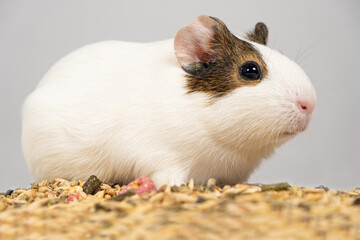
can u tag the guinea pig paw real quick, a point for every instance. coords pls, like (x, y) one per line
(140, 185)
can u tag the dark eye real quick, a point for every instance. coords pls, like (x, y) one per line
(250, 71)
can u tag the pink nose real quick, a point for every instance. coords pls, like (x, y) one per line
(306, 106)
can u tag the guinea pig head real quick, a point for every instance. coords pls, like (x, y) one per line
(258, 98)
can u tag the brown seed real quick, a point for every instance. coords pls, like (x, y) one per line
(162, 188)
(9, 192)
(323, 187)
(200, 200)
(101, 207)
(35, 185)
(357, 202)
(275, 187)
(121, 197)
(91, 185)
(175, 188)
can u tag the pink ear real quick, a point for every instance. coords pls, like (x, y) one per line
(192, 43)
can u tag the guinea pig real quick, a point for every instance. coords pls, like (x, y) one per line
(205, 104)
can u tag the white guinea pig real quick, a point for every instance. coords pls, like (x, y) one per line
(205, 104)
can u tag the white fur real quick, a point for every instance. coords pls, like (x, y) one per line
(121, 110)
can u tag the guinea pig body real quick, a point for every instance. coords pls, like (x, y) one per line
(122, 110)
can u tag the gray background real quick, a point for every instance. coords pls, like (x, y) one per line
(35, 34)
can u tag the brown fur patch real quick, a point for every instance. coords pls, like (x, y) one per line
(221, 76)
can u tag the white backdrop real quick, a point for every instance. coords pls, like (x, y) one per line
(35, 34)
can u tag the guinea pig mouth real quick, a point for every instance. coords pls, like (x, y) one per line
(300, 126)
(295, 131)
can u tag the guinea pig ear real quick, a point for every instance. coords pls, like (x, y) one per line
(192, 44)
(259, 34)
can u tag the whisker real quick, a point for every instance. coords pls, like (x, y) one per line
(275, 41)
(306, 50)
(304, 58)
(317, 84)
(297, 54)
(328, 95)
